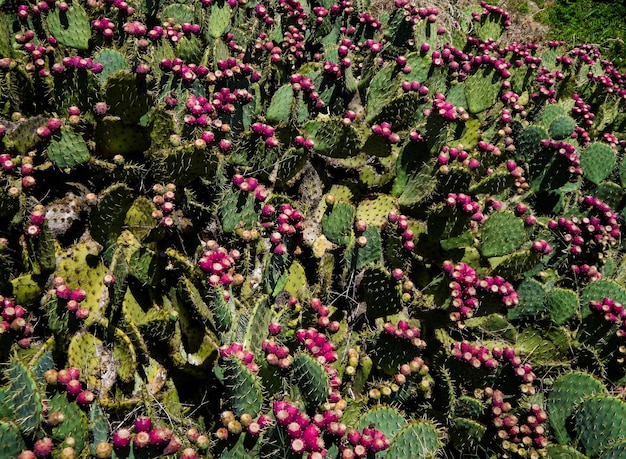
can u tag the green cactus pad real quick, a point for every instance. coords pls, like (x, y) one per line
(372, 252)
(532, 300)
(98, 424)
(11, 440)
(219, 20)
(608, 192)
(502, 234)
(191, 296)
(183, 164)
(112, 61)
(489, 28)
(616, 451)
(70, 266)
(467, 432)
(375, 211)
(42, 251)
(180, 13)
(599, 421)
(280, 105)
(493, 184)
(599, 289)
(190, 49)
(332, 138)
(139, 219)
(113, 137)
(107, 219)
(245, 393)
(221, 309)
(597, 161)
(528, 142)
(125, 356)
(127, 96)
(337, 225)
(238, 210)
(562, 305)
(562, 127)
(70, 27)
(550, 113)
(68, 149)
(419, 440)
(384, 86)
(419, 186)
(257, 329)
(400, 112)
(75, 424)
(154, 320)
(24, 399)
(564, 452)
(296, 280)
(468, 407)
(387, 419)
(481, 89)
(311, 378)
(567, 392)
(82, 353)
(379, 291)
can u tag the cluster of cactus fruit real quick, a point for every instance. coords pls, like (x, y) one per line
(294, 228)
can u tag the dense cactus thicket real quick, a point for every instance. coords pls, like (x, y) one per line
(284, 229)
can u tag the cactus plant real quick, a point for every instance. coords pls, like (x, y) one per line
(300, 229)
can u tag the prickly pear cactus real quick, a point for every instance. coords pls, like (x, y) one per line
(300, 229)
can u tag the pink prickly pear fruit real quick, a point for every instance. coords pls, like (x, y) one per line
(143, 424)
(86, 397)
(121, 438)
(188, 453)
(173, 446)
(74, 387)
(43, 447)
(141, 440)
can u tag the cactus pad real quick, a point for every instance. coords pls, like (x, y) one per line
(75, 423)
(418, 439)
(562, 305)
(386, 419)
(11, 440)
(378, 290)
(281, 105)
(597, 161)
(24, 398)
(70, 27)
(600, 420)
(245, 395)
(127, 96)
(337, 225)
(311, 378)
(502, 233)
(599, 289)
(481, 90)
(68, 150)
(567, 392)
(562, 127)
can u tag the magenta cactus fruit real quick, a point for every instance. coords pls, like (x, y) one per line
(142, 424)
(43, 447)
(122, 438)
